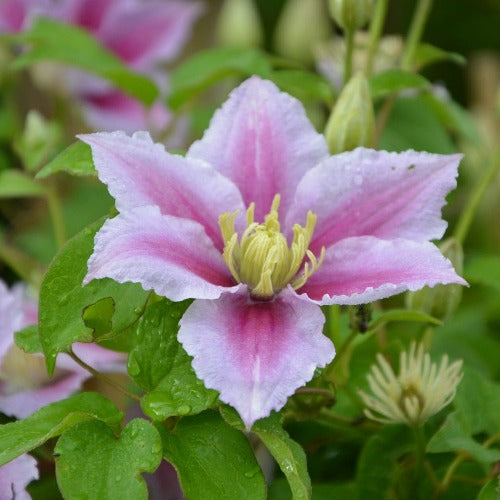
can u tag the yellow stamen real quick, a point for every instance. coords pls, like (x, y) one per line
(262, 258)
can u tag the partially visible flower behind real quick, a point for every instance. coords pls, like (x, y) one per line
(421, 388)
(24, 384)
(15, 476)
(345, 229)
(144, 34)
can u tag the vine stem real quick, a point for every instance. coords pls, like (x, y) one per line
(415, 33)
(465, 220)
(56, 216)
(349, 52)
(418, 432)
(376, 27)
(103, 377)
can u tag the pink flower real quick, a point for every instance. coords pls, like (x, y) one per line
(24, 384)
(15, 476)
(142, 33)
(356, 228)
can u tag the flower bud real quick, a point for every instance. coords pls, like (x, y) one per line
(351, 15)
(442, 300)
(352, 122)
(239, 24)
(302, 25)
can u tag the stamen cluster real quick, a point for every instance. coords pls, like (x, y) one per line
(262, 258)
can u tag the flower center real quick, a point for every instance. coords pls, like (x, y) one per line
(262, 258)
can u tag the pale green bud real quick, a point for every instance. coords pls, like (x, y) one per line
(351, 15)
(441, 301)
(239, 24)
(352, 122)
(39, 139)
(301, 26)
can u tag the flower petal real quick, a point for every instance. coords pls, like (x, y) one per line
(262, 140)
(23, 403)
(11, 314)
(172, 256)
(376, 193)
(139, 172)
(363, 269)
(255, 354)
(16, 475)
(144, 33)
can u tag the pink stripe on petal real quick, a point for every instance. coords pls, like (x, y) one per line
(15, 476)
(256, 354)
(262, 140)
(139, 172)
(172, 256)
(376, 193)
(364, 269)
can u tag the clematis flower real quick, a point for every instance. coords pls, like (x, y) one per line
(143, 34)
(24, 384)
(15, 476)
(346, 229)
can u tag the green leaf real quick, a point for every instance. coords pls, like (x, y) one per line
(16, 184)
(413, 124)
(51, 40)
(28, 339)
(378, 462)
(289, 455)
(75, 159)
(491, 490)
(63, 299)
(304, 85)
(22, 436)
(99, 316)
(395, 80)
(483, 270)
(427, 54)
(213, 460)
(91, 462)
(402, 315)
(159, 365)
(210, 66)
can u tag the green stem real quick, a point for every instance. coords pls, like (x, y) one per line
(376, 27)
(23, 265)
(468, 214)
(332, 322)
(415, 33)
(56, 216)
(103, 377)
(451, 470)
(349, 52)
(420, 444)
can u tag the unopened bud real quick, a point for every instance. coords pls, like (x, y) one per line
(239, 24)
(442, 300)
(352, 122)
(302, 25)
(351, 15)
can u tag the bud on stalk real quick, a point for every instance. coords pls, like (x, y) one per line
(352, 122)
(351, 15)
(239, 24)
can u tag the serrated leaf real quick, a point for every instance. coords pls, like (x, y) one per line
(210, 66)
(213, 460)
(427, 54)
(75, 160)
(159, 364)
(304, 85)
(63, 298)
(16, 184)
(289, 455)
(91, 462)
(483, 270)
(395, 80)
(55, 41)
(22, 436)
(28, 339)
(402, 315)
